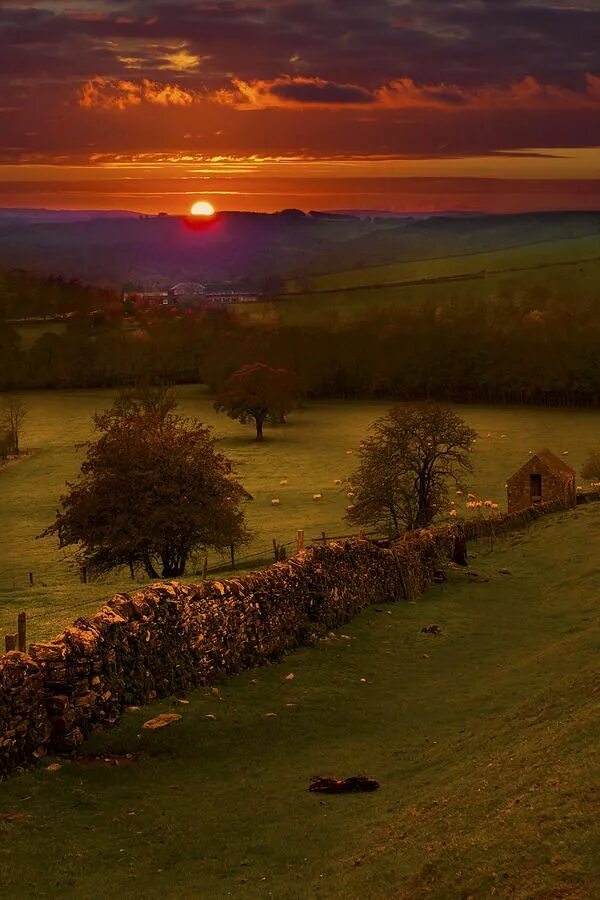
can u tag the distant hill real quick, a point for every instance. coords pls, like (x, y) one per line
(124, 249)
(22, 216)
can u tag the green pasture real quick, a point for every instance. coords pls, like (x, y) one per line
(556, 267)
(540, 255)
(310, 452)
(484, 741)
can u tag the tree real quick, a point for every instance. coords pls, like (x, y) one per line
(13, 412)
(152, 491)
(591, 467)
(407, 463)
(257, 393)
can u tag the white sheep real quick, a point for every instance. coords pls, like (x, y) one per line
(275, 501)
(349, 452)
(565, 452)
(351, 507)
(337, 482)
(284, 482)
(351, 495)
(495, 507)
(453, 513)
(459, 493)
(317, 496)
(471, 497)
(488, 504)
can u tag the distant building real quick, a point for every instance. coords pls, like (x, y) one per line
(543, 478)
(193, 295)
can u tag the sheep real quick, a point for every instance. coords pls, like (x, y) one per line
(337, 482)
(565, 452)
(579, 487)
(351, 507)
(488, 504)
(350, 495)
(284, 482)
(453, 513)
(495, 507)
(349, 452)
(471, 497)
(275, 501)
(471, 504)
(317, 496)
(479, 504)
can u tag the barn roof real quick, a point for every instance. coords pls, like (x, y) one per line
(551, 461)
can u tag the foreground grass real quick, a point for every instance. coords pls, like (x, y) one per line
(310, 452)
(485, 741)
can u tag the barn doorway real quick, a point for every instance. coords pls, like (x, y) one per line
(535, 489)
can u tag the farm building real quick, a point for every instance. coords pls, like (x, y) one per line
(543, 478)
(203, 296)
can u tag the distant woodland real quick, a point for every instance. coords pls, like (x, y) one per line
(539, 348)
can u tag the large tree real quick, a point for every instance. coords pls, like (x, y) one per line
(152, 491)
(257, 393)
(407, 464)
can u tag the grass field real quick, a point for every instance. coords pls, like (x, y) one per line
(554, 266)
(310, 452)
(485, 742)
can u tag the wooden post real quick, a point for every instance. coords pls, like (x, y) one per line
(83, 575)
(323, 538)
(232, 552)
(22, 632)
(31, 578)
(10, 642)
(300, 540)
(362, 536)
(276, 549)
(205, 568)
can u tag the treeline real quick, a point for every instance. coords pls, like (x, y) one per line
(544, 349)
(24, 295)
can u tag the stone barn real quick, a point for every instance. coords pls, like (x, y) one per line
(543, 478)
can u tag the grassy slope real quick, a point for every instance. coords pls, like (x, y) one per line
(484, 741)
(552, 254)
(555, 266)
(310, 452)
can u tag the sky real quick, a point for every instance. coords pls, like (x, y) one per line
(409, 105)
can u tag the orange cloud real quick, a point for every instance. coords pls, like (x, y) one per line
(112, 93)
(404, 93)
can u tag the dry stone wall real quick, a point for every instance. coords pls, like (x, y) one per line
(171, 637)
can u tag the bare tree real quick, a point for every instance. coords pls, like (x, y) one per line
(407, 464)
(13, 412)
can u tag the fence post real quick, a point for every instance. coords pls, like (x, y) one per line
(276, 549)
(22, 632)
(300, 540)
(31, 579)
(324, 538)
(83, 575)
(232, 552)
(10, 642)
(205, 568)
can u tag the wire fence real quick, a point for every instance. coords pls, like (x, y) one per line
(43, 623)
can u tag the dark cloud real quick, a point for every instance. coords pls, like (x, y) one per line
(467, 61)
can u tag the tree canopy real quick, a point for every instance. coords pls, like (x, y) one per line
(407, 463)
(152, 491)
(257, 393)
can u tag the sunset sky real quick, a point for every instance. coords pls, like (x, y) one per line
(332, 104)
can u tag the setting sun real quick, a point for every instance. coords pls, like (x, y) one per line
(203, 208)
